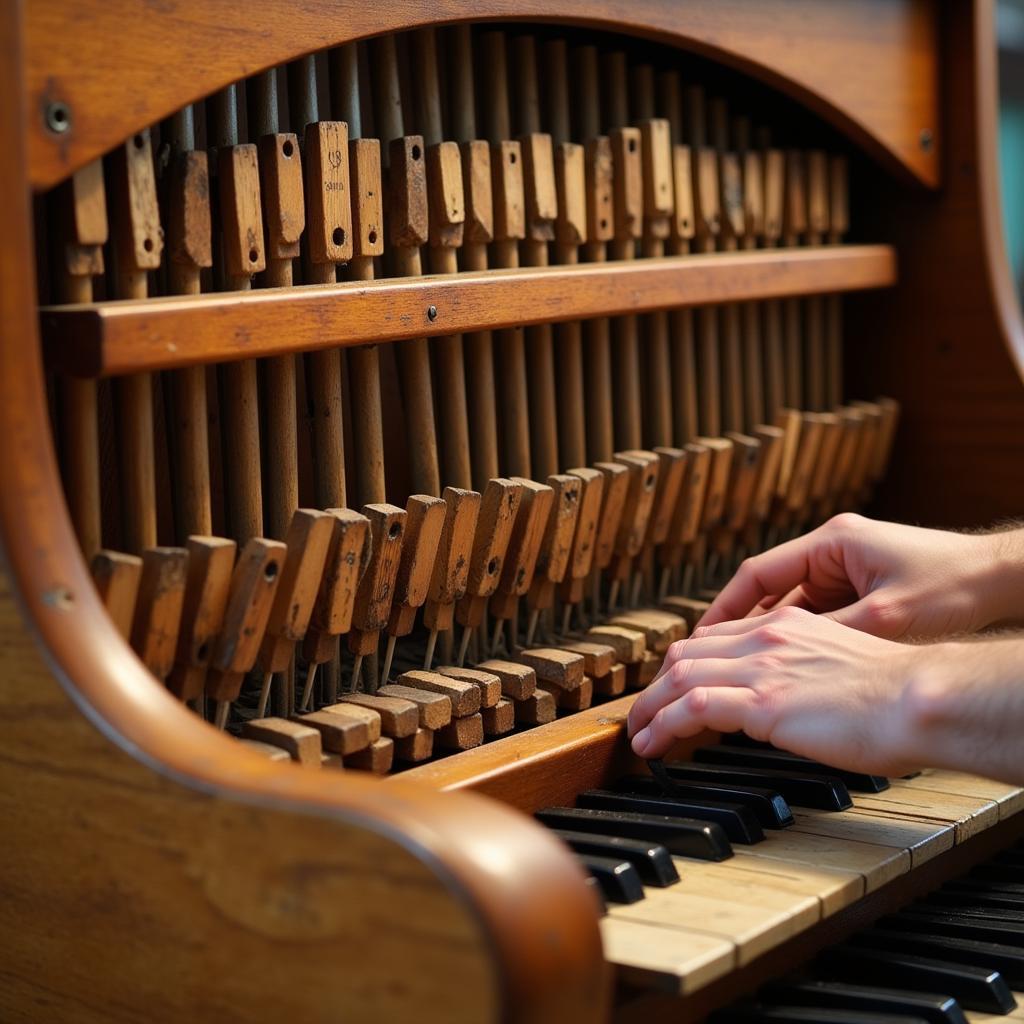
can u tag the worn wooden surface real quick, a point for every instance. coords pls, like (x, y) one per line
(108, 339)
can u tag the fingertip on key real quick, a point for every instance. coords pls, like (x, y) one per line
(641, 741)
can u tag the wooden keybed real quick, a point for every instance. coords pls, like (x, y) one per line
(661, 285)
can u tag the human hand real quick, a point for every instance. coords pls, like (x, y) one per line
(882, 578)
(800, 681)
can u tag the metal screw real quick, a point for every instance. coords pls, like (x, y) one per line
(925, 139)
(431, 313)
(58, 117)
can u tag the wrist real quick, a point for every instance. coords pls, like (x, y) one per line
(999, 582)
(927, 710)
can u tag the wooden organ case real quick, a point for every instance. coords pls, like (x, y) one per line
(380, 388)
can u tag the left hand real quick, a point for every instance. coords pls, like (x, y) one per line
(800, 681)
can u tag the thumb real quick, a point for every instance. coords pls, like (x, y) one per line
(869, 616)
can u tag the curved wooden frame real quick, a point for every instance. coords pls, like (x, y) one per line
(885, 97)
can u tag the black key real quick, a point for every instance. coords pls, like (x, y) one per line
(983, 885)
(739, 824)
(823, 792)
(995, 872)
(770, 807)
(1007, 960)
(954, 896)
(1012, 856)
(619, 880)
(975, 988)
(980, 913)
(653, 862)
(935, 1009)
(753, 1014)
(752, 757)
(957, 926)
(682, 836)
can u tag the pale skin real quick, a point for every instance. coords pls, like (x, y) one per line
(855, 645)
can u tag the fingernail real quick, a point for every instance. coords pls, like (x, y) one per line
(640, 742)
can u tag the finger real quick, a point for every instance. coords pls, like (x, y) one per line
(730, 640)
(776, 571)
(684, 676)
(722, 708)
(865, 615)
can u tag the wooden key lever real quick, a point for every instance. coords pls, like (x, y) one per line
(555, 549)
(424, 520)
(116, 576)
(451, 569)
(499, 506)
(347, 558)
(157, 616)
(308, 542)
(253, 586)
(584, 542)
(377, 587)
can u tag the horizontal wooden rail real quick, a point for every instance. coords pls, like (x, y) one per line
(111, 338)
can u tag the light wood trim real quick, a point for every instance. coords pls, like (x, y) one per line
(113, 338)
(96, 754)
(886, 95)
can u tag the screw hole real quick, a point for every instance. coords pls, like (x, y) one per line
(270, 571)
(287, 149)
(372, 237)
(925, 139)
(520, 577)
(632, 145)
(139, 141)
(339, 236)
(58, 118)
(604, 223)
(395, 532)
(253, 256)
(148, 245)
(686, 223)
(431, 313)
(203, 651)
(511, 158)
(416, 152)
(492, 566)
(649, 481)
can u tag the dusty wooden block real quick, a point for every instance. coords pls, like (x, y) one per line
(517, 681)
(613, 683)
(488, 683)
(435, 708)
(563, 669)
(499, 719)
(598, 658)
(577, 699)
(301, 742)
(358, 713)
(461, 733)
(465, 697)
(642, 672)
(267, 750)
(377, 757)
(689, 608)
(628, 643)
(537, 709)
(338, 733)
(398, 717)
(161, 595)
(331, 760)
(417, 747)
(660, 629)
(117, 579)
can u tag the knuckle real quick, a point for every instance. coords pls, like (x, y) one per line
(844, 522)
(770, 635)
(790, 615)
(678, 676)
(699, 633)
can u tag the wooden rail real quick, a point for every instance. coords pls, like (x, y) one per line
(112, 338)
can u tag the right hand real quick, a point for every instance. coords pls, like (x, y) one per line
(889, 580)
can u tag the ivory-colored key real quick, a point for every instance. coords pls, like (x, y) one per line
(211, 561)
(157, 618)
(1008, 798)
(969, 815)
(117, 577)
(833, 888)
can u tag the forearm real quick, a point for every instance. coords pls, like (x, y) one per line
(1000, 582)
(963, 708)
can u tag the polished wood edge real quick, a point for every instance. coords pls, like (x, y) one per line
(89, 54)
(522, 886)
(548, 765)
(112, 338)
(647, 1007)
(1005, 299)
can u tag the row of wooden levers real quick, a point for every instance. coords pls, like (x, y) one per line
(687, 437)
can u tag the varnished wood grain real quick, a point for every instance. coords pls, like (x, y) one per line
(116, 338)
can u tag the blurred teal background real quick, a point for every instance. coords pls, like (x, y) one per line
(1010, 32)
